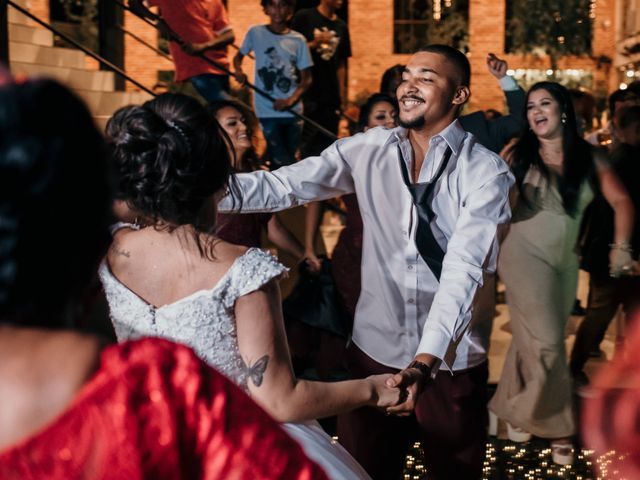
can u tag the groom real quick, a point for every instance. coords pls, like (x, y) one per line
(426, 304)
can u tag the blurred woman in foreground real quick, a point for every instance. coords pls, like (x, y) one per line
(70, 406)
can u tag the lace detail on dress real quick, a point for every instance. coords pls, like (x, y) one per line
(204, 320)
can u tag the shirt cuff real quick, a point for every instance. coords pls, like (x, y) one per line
(508, 83)
(224, 29)
(436, 344)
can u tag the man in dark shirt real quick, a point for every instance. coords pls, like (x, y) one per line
(328, 39)
(607, 293)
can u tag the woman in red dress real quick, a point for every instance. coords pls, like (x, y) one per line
(71, 407)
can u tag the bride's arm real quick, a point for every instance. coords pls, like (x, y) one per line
(263, 347)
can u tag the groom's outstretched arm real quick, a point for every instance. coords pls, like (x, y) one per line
(314, 178)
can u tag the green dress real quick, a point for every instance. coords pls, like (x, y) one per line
(539, 265)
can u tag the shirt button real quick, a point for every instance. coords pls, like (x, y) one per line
(411, 300)
(410, 267)
(404, 232)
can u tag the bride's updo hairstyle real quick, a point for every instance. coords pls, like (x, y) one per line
(55, 199)
(171, 158)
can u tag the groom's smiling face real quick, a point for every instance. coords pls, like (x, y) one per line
(428, 92)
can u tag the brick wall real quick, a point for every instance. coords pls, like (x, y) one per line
(40, 8)
(371, 27)
(141, 62)
(486, 35)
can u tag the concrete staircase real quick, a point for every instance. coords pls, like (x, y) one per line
(31, 52)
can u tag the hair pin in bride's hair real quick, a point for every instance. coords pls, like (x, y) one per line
(175, 126)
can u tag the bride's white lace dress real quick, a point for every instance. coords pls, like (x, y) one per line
(205, 321)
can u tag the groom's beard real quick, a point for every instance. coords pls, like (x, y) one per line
(417, 122)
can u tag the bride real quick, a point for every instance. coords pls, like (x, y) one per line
(168, 275)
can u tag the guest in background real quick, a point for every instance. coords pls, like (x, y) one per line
(495, 133)
(557, 173)
(70, 406)
(238, 121)
(607, 293)
(203, 27)
(328, 39)
(605, 136)
(283, 69)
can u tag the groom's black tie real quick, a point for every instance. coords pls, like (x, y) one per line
(429, 249)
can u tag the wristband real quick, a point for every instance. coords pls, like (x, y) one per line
(624, 246)
(424, 369)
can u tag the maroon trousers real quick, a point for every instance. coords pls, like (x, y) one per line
(450, 420)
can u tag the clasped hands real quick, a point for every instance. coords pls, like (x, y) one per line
(398, 394)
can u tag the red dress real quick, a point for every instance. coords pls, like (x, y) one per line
(347, 256)
(242, 229)
(154, 410)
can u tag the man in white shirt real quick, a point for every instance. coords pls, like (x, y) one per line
(416, 315)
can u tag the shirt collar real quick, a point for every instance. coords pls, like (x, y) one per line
(453, 134)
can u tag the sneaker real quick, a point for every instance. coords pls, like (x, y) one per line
(562, 453)
(516, 434)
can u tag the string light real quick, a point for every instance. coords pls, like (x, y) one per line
(528, 461)
(437, 10)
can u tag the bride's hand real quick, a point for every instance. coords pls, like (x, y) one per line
(383, 396)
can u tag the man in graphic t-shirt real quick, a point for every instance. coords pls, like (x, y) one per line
(282, 69)
(328, 39)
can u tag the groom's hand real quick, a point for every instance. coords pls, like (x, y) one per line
(411, 381)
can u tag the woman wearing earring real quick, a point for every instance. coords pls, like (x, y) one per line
(556, 175)
(239, 122)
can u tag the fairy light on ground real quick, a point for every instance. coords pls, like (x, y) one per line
(528, 461)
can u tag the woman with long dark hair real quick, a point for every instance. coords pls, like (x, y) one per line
(70, 406)
(171, 276)
(239, 123)
(556, 174)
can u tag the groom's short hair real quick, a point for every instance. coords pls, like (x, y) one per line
(456, 57)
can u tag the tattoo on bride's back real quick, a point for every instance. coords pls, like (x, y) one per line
(256, 370)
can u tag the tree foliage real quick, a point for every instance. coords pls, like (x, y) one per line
(416, 27)
(553, 27)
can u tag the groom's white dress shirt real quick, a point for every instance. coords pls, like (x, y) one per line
(402, 309)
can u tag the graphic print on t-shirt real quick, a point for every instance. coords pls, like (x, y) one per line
(278, 74)
(326, 50)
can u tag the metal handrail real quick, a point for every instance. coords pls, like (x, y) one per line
(175, 38)
(143, 42)
(149, 22)
(79, 46)
(4, 35)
